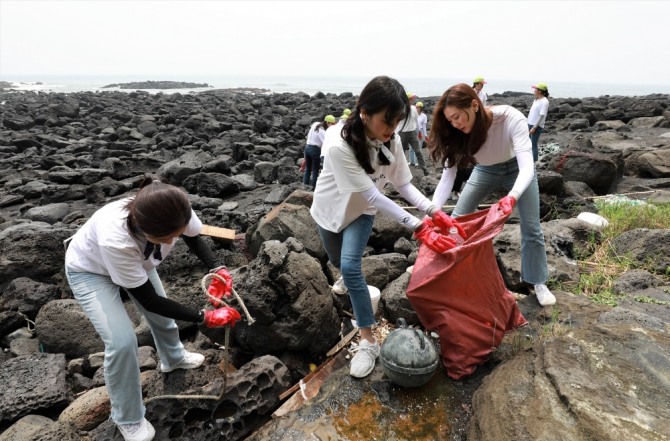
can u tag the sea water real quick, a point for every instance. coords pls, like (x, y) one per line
(423, 87)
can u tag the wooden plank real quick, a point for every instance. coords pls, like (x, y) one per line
(310, 388)
(218, 232)
(345, 341)
(335, 349)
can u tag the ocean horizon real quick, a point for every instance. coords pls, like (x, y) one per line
(423, 87)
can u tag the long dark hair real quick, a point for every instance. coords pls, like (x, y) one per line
(158, 209)
(322, 125)
(381, 94)
(449, 143)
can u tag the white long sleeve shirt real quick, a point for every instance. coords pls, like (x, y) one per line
(507, 138)
(422, 121)
(315, 137)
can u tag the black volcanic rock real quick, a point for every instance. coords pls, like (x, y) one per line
(157, 85)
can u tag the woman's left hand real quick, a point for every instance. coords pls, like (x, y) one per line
(507, 204)
(221, 317)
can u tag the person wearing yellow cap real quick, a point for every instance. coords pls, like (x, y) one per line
(317, 133)
(478, 84)
(407, 129)
(343, 117)
(537, 116)
(421, 122)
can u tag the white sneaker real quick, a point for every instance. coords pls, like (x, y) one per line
(339, 288)
(191, 361)
(364, 361)
(142, 431)
(544, 296)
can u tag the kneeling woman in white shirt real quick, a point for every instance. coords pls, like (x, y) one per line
(358, 163)
(119, 247)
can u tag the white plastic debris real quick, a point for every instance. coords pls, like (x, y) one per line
(593, 219)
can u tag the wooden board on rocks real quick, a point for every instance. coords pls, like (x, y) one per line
(218, 233)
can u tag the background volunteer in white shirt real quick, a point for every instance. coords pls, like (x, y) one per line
(313, 149)
(422, 134)
(357, 165)
(119, 247)
(407, 129)
(478, 84)
(494, 140)
(537, 116)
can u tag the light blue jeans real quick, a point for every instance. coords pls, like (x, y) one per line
(485, 179)
(101, 301)
(345, 252)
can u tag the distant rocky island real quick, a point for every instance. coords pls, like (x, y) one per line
(6, 85)
(157, 85)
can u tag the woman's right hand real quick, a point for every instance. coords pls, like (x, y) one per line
(445, 222)
(432, 239)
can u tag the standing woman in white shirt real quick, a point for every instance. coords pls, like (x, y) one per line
(317, 133)
(119, 247)
(421, 122)
(537, 115)
(360, 161)
(495, 140)
(478, 84)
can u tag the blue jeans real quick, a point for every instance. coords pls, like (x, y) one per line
(100, 299)
(345, 251)
(533, 140)
(313, 162)
(485, 179)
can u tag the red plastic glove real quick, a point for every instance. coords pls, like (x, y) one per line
(432, 239)
(221, 317)
(507, 204)
(218, 288)
(420, 136)
(445, 222)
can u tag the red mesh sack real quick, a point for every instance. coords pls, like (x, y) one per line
(461, 295)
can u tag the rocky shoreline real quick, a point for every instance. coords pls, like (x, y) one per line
(63, 156)
(157, 85)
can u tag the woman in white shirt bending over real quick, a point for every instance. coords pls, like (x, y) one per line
(537, 115)
(495, 140)
(359, 162)
(313, 148)
(119, 248)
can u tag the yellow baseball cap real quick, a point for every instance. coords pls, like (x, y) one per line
(479, 79)
(329, 118)
(419, 104)
(541, 86)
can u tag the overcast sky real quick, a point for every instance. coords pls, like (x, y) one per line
(618, 42)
